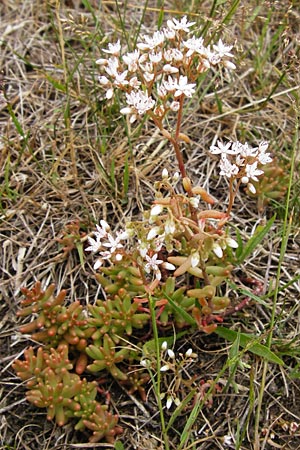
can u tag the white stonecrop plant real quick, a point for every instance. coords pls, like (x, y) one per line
(155, 79)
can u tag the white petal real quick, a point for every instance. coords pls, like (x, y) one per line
(251, 188)
(156, 209)
(168, 266)
(218, 251)
(231, 243)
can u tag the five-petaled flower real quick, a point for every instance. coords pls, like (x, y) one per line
(184, 88)
(182, 25)
(139, 102)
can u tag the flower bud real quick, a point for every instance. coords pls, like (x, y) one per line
(171, 354)
(164, 345)
(187, 185)
(165, 174)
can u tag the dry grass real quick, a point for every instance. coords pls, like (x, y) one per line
(62, 159)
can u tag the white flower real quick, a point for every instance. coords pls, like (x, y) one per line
(145, 363)
(152, 42)
(182, 25)
(227, 440)
(222, 49)
(95, 245)
(103, 80)
(98, 263)
(134, 83)
(112, 67)
(109, 94)
(155, 57)
(148, 76)
(168, 55)
(182, 87)
(193, 45)
(176, 176)
(220, 148)
(246, 151)
(263, 146)
(138, 102)
(120, 79)
(113, 49)
(161, 91)
(170, 84)
(101, 61)
(229, 65)
(131, 60)
(167, 68)
(228, 169)
(189, 352)
(122, 235)
(252, 172)
(264, 158)
(175, 106)
(152, 263)
(143, 248)
(177, 54)
(104, 228)
(169, 33)
(113, 243)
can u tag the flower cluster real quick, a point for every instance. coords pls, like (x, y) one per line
(174, 368)
(239, 161)
(161, 70)
(106, 244)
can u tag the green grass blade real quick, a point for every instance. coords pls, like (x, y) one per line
(187, 317)
(249, 343)
(255, 240)
(119, 446)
